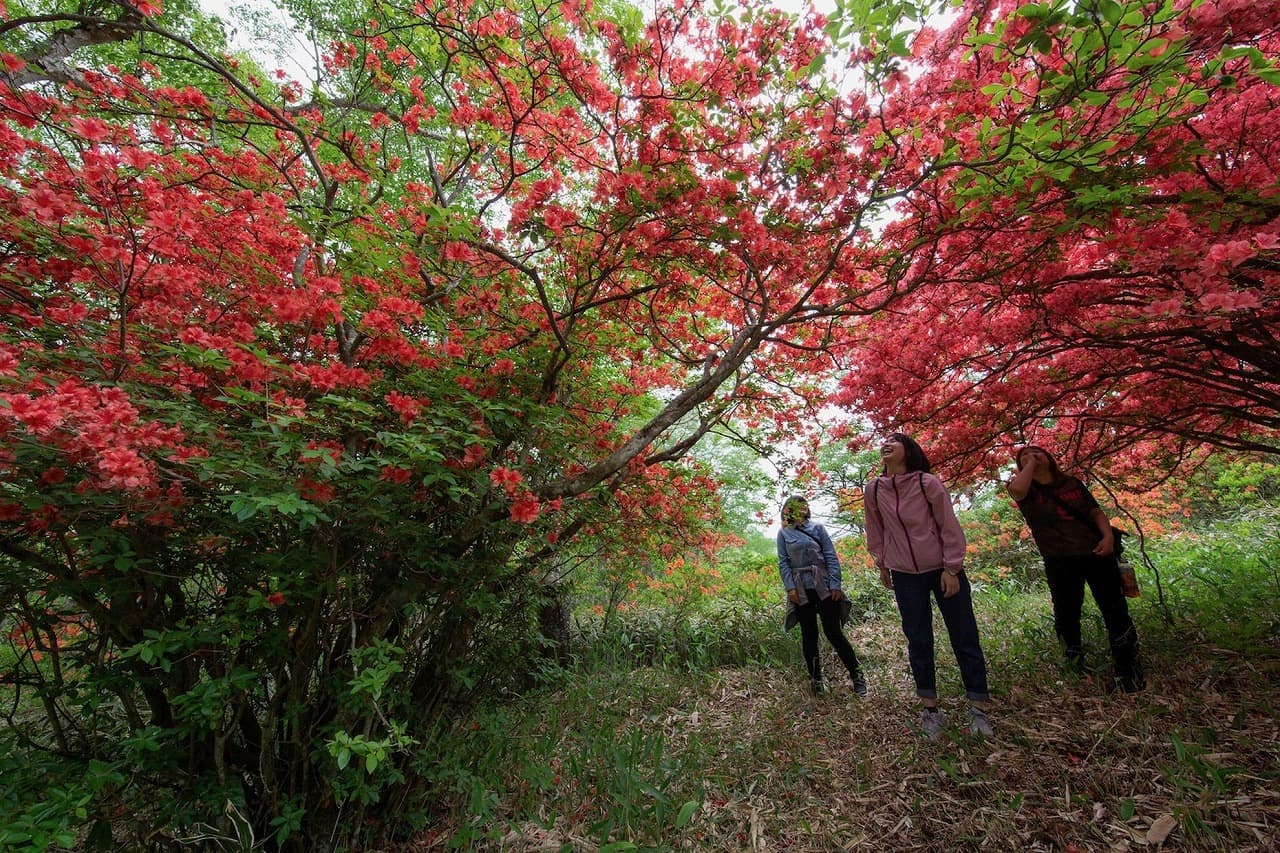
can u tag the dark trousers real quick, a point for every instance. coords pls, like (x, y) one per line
(828, 611)
(913, 593)
(1067, 577)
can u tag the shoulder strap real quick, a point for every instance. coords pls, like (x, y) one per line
(810, 535)
(927, 503)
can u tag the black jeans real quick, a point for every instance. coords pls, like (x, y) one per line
(1067, 577)
(829, 611)
(913, 593)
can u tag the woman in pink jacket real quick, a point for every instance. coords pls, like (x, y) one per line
(917, 543)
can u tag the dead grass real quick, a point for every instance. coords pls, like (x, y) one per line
(1190, 764)
(1058, 774)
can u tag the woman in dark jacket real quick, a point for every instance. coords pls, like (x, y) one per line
(1077, 543)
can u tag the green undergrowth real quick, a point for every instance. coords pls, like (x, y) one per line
(592, 753)
(698, 733)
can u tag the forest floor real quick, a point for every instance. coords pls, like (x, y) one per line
(1191, 763)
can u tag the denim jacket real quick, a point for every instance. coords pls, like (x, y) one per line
(807, 560)
(805, 548)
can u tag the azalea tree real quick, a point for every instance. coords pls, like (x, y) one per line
(309, 393)
(1103, 272)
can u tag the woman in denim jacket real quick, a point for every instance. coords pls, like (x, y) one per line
(810, 574)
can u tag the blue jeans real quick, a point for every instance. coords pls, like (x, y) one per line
(913, 594)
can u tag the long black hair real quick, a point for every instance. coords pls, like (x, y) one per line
(913, 455)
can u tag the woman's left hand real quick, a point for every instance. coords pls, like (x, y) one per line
(837, 594)
(1106, 546)
(950, 584)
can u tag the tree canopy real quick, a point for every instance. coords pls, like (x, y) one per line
(1103, 211)
(311, 389)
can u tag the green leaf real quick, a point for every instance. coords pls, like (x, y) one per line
(686, 814)
(1111, 11)
(99, 837)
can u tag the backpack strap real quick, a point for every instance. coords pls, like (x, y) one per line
(815, 539)
(928, 505)
(875, 490)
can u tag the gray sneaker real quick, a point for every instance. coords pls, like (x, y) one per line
(932, 721)
(978, 722)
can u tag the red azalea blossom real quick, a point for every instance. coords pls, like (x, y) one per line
(505, 479)
(124, 468)
(315, 490)
(394, 474)
(525, 510)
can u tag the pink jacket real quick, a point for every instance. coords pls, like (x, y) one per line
(911, 526)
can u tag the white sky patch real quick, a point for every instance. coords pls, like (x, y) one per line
(268, 34)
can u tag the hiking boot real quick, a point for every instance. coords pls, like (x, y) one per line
(1130, 683)
(816, 687)
(859, 683)
(932, 721)
(1129, 675)
(1128, 662)
(978, 723)
(1074, 663)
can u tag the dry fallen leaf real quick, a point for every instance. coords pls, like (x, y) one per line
(1160, 830)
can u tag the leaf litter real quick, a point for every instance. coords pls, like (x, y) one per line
(1190, 764)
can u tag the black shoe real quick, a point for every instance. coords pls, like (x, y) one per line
(816, 686)
(1129, 684)
(1133, 684)
(859, 683)
(1130, 677)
